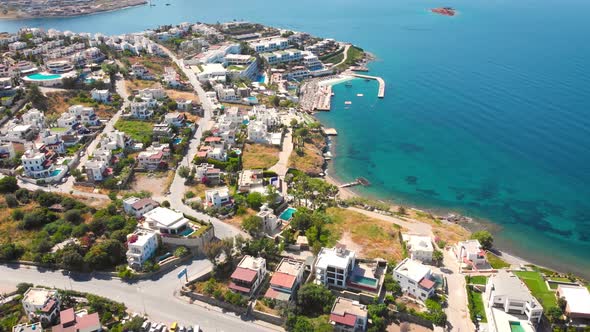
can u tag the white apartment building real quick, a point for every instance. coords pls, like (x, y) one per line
(258, 132)
(419, 247)
(470, 252)
(269, 44)
(333, 266)
(139, 206)
(141, 246)
(141, 110)
(35, 118)
(251, 180)
(414, 279)
(290, 55)
(100, 95)
(41, 304)
(174, 119)
(59, 67)
(207, 173)
(166, 221)
(218, 197)
(226, 94)
(52, 142)
(154, 157)
(85, 114)
(95, 170)
(36, 165)
(508, 300)
(348, 315)
(270, 222)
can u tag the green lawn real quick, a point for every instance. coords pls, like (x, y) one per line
(477, 280)
(476, 304)
(138, 130)
(536, 284)
(496, 262)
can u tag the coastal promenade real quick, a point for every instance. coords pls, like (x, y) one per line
(381, 93)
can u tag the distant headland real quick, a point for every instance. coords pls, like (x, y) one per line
(20, 9)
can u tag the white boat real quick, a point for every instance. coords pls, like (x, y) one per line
(359, 95)
(348, 103)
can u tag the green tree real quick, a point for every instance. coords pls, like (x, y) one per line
(74, 216)
(252, 225)
(181, 251)
(255, 200)
(72, 260)
(36, 97)
(437, 257)
(133, 325)
(303, 324)
(10, 251)
(554, 315)
(485, 239)
(314, 300)
(8, 184)
(184, 172)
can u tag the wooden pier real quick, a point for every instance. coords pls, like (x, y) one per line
(381, 81)
(357, 182)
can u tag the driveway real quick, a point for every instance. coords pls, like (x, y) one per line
(457, 312)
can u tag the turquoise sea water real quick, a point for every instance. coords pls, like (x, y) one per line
(485, 113)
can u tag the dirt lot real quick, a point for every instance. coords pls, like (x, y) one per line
(175, 94)
(406, 327)
(259, 156)
(59, 102)
(133, 85)
(371, 237)
(154, 64)
(155, 183)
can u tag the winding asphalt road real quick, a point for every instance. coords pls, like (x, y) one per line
(157, 297)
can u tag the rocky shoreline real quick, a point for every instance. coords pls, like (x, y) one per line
(69, 11)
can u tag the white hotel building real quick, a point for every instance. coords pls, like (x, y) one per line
(333, 266)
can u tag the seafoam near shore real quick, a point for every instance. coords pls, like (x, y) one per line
(336, 80)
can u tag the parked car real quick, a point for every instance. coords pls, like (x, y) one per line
(145, 326)
(181, 328)
(197, 328)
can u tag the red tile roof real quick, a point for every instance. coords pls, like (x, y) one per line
(48, 306)
(143, 203)
(282, 280)
(347, 319)
(88, 321)
(213, 139)
(239, 288)
(67, 316)
(244, 274)
(426, 283)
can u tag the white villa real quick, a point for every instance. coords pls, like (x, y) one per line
(41, 304)
(218, 197)
(508, 302)
(419, 247)
(414, 279)
(166, 221)
(141, 246)
(248, 275)
(470, 252)
(285, 280)
(348, 315)
(270, 222)
(139, 206)
(333, 266)
(100, 95)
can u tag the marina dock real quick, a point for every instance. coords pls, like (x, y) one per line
(381, 81)
(358, 182)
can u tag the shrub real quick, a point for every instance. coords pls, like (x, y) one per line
(181, 251)
(11, 200)
(8, 184)
(17, 214)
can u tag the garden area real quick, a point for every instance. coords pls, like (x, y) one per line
(476, 308)
(140, 131)
(536, 284)
(496, 262)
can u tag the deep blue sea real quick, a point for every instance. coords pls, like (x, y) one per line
(486, 113)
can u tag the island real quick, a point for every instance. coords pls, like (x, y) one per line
(20, 9)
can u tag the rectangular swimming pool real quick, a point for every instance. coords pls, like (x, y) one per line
(364, 281)
(516, 327)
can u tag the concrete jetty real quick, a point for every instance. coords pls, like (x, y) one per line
(381, 81)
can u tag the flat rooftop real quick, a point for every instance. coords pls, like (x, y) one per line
(251, 263)
(577, 297)
(166, 217)
(334, 257)
(412, 269)
(289, 266)
(38, 296)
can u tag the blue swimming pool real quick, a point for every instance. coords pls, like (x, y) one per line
(261, 79)
(43, 77)
(246, 122)
(177, 140)
(252, 100)
(364, 281)
(55, 172)
(287, 214)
